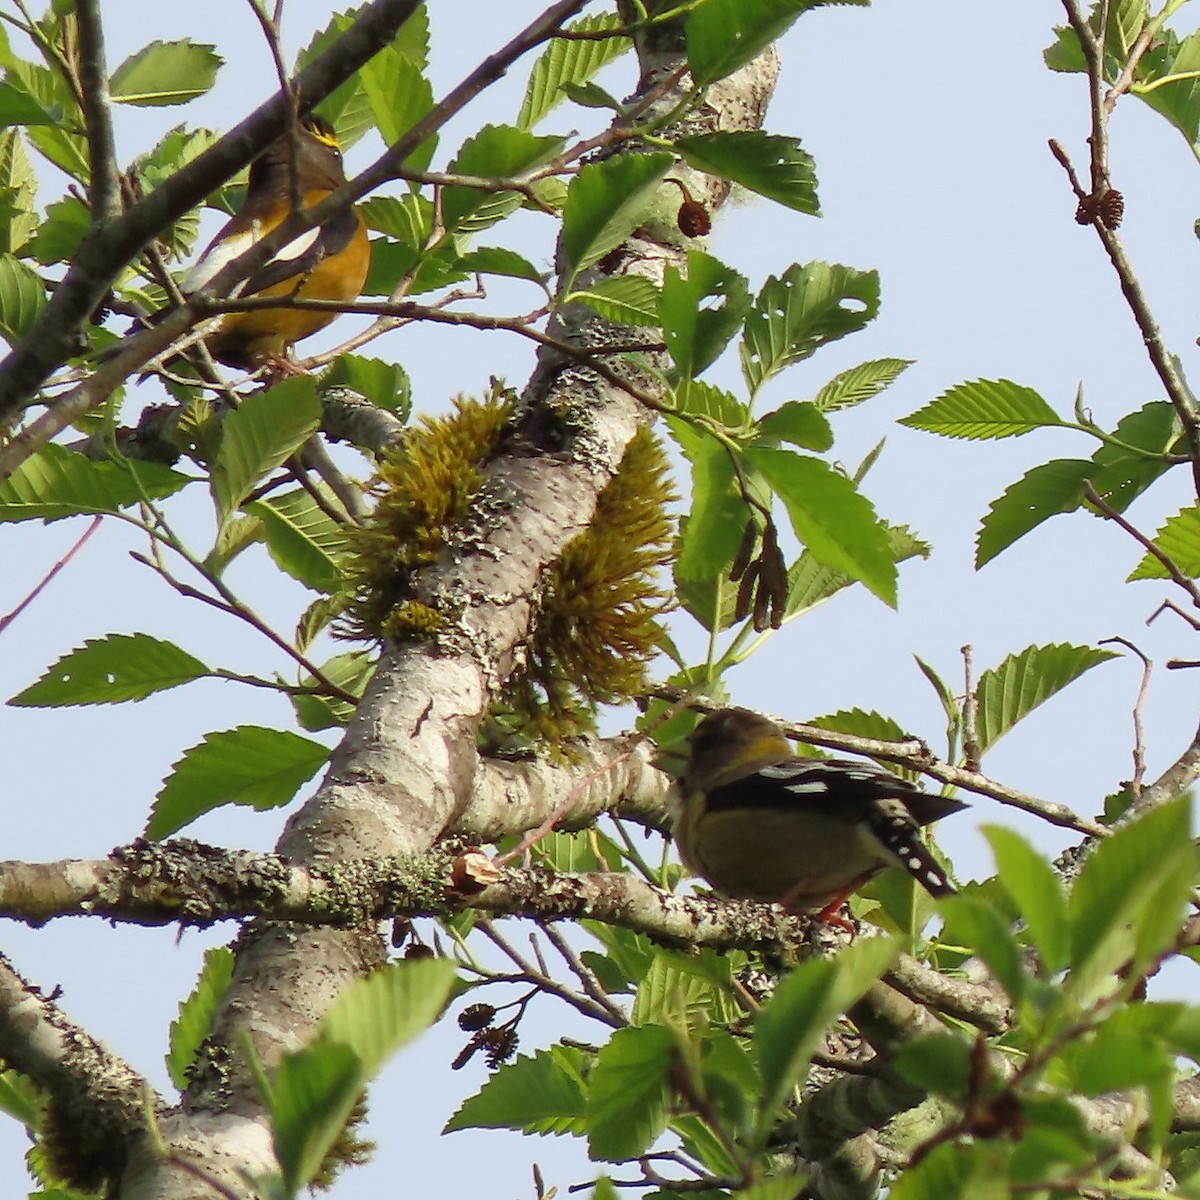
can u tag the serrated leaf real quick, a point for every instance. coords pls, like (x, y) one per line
(166, 73)
(773, 166)
(195, 1020)
(1179, 540)
(701, 311)
(22, 298)
(723, 35)
(790, 1026)
(59, 234)
(1037, 892)
(1132, 886)
(18, 191)
(806, 308)
(1054, 487)
(385, 384)
(628, 1092)
(543, 1094)
(399, 95)
(860, 383)
(496, 151)
(605, 202)
(111, 670)
(303, 539)
(1171, 86)
(622, 299)
(311, 1097)
(500, 260)
(569, 61)
(831, 517)
(977, 926)
(378, 1014)
(250, 765)
(1011, 691)
(1143, 441)
(347, 108)
(810, 581)
(258, 436)
(984, 408)
(57, 483)
(351, 672)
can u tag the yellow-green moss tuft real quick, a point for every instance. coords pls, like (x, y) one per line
(600, 619)
(411, 621)
(425, 487)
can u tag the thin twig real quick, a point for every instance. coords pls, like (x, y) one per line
(1166, 561)
(1139, 742)
(105, 186)
(8, 619)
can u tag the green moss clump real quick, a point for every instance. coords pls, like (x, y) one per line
(425, 487)
(599, 625)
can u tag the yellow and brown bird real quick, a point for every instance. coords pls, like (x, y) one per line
(329, 262)
(760, 823)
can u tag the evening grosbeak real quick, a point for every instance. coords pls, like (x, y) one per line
(329, 262)
(758, 822)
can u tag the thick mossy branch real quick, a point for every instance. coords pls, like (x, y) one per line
(600, 605)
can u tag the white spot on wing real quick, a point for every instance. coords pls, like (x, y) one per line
(220, 254)
(298, 246)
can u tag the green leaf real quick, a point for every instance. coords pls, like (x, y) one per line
(57, 483)
(347, 108)
(831, 517)
(385, 384)
(111, 670)
(312, 1095)
(1054, 487)
(791, 1026)
(266, 430)
(623, 299)
(399, 96)
(710, 535)
(195, 1020)
(953, 1171)
(860, 383)
(20, 1098)
(166, 73)
(981, 928)
(1119, 475)
(20, 107)
(351, 672)
(22, 298)
(1037, 893)
(701, 311)
(810, 581)
(378, 1014)
(1124, 1052)
(800, 422)
(628, 1093)
(605, 203)
(808, 307)
(723, 35)
(500, 260)
(1179, 540)
(1023, 681)
(772, 166)
(58, 236)
(18, 192)
(1177, 92)
(1119, 888)
(939, 1063)
(496, 151)
(569, 61)
(543, 1094)
(303, 539)
(984, 408)
(250, 765)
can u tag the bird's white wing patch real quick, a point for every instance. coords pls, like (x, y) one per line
(220, 254)
(298, 246)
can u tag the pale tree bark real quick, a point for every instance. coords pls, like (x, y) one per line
(405, 769)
